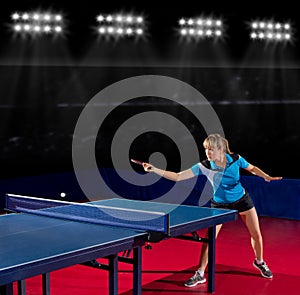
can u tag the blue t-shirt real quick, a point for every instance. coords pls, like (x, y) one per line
(225, 181)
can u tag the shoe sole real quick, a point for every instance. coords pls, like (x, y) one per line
(262, 273)
(194, 285)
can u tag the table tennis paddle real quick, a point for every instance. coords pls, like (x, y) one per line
(136, 162)
(139, 163)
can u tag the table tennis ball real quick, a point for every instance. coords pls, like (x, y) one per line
(62, 195)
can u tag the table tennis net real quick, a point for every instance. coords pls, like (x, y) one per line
(86, 212)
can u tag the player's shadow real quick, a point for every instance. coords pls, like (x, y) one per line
(174, 282)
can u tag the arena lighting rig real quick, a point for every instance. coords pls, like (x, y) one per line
(200, 28)
(120, 25)
(270, 31)
(37, 23)
(126, 25)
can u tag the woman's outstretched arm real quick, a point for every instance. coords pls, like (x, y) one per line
(256, 171)
(186, 174)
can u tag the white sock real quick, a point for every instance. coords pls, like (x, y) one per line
(200, 272)
(259, 261)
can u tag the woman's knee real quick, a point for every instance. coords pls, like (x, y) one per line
(256, 236)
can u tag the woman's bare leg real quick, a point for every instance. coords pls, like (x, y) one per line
(250, 219)
(204, 251)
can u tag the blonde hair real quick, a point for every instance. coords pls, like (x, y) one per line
(217, 141)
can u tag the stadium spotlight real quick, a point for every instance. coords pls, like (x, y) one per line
(200, 28)
(270, 31)
(37, 23)
(120, 25)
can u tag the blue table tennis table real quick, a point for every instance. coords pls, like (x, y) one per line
(32, 245)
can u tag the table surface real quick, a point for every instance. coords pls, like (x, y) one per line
(33, 244)
(183, 218)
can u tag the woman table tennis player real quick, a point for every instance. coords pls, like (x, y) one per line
(228, 193)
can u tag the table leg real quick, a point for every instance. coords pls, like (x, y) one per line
(6, 289)
(22, 287)
(137, 271)
(211, 258)
(46, 283)
(113, 274)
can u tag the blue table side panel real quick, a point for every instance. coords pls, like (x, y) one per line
(275, 199)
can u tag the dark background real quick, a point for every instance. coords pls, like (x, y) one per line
(45, 83)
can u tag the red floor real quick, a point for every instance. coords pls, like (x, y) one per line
(171, 262)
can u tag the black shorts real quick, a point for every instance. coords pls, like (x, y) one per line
(243, 204)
